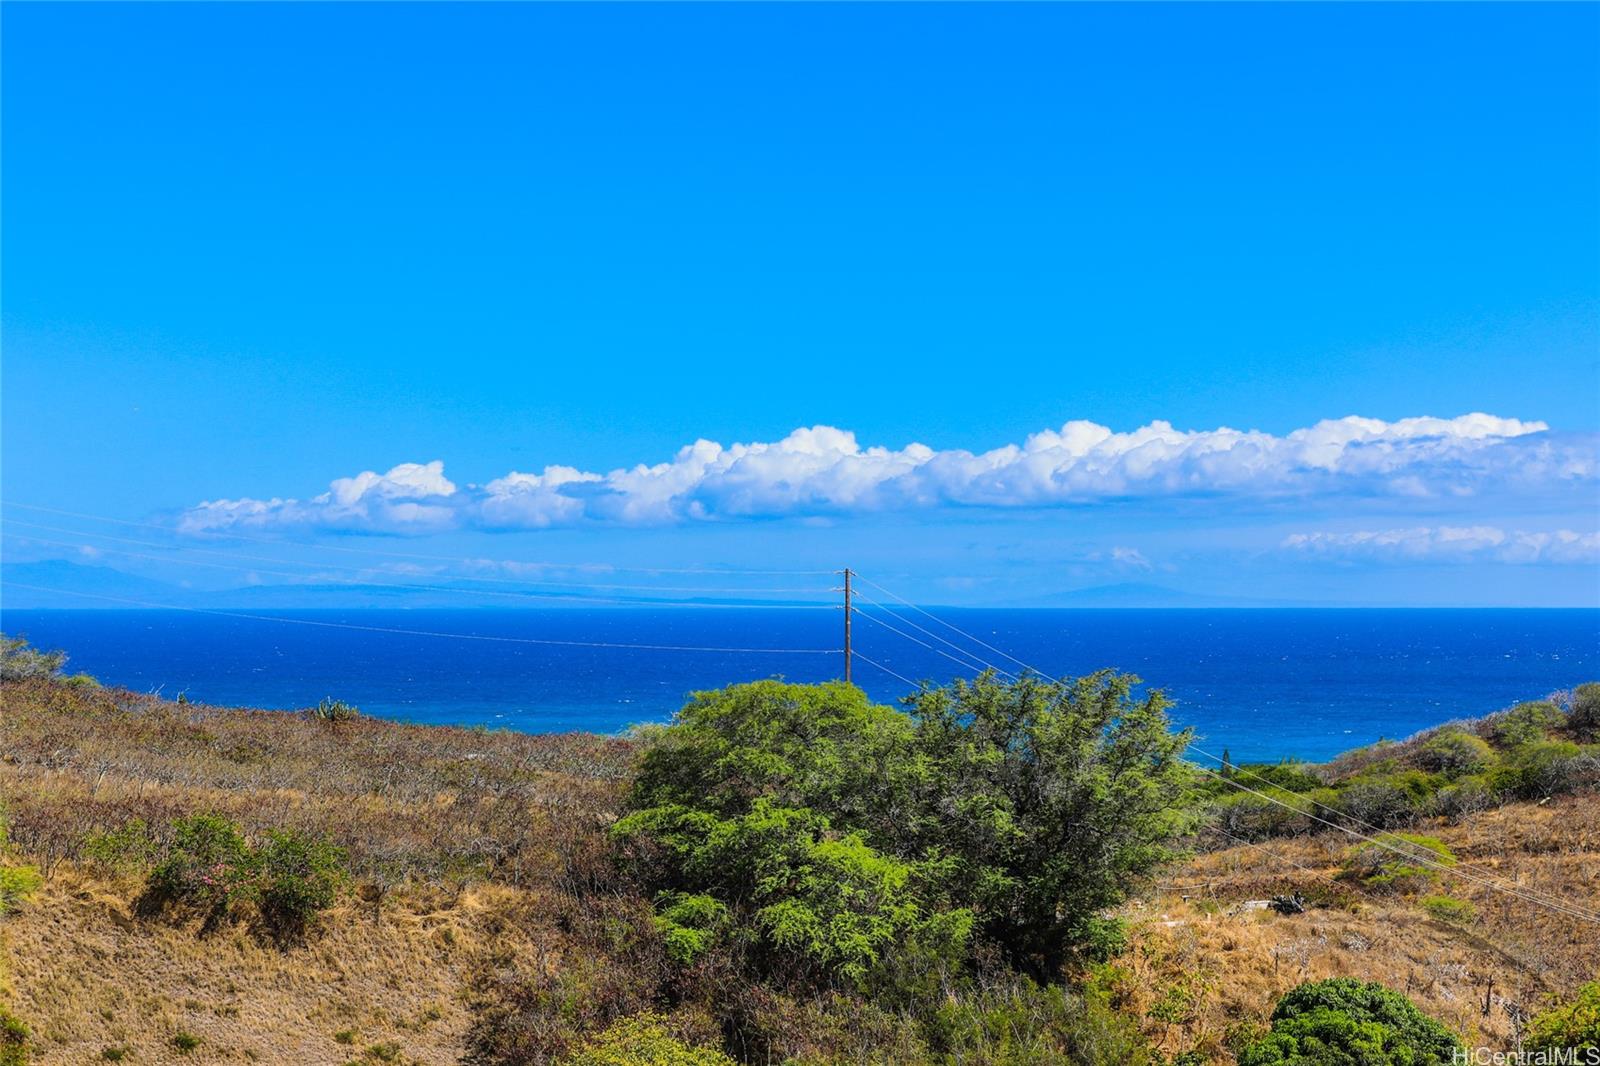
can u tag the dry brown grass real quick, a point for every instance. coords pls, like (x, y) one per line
(486, 852)
(1190, 942)
(467, 849)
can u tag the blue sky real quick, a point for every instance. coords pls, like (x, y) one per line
(252, 249)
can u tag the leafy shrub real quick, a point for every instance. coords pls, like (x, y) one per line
(207, 867)
(1449, 909)
(643, 1040)
(1468, 796)
(20, 661)
(329, 709)
(1397, 862)
(130, 846)
(1049, 800)
(1341, 1022)
(1288, 776)
(1103, 939)
(115, 1052)
(13, 1039)
(854, 844)
(1454, 754)
(1273, 813)
(17, 884)
(1384, 802)
(185, 1041)
(210, 868)
(687, 923)
(1548, 768)
(1575, 1024)
(1584, 715)
(296, 876)
(1526, 723)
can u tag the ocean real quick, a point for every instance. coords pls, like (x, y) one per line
(1265, 684)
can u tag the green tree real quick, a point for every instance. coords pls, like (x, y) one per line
(1342, 1022)
(1051, 799)
(847, 842)
(1575, 1024)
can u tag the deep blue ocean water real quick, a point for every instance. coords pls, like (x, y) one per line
(1266, 684)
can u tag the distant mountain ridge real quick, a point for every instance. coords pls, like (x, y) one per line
(1143, 594)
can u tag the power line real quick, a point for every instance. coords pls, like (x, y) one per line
(1368, 825)
(417, 555)
(1550, 903)
(955, 629)
(885, 669)
(930, 633)
(914, 640)
(1412, 856)
(429, 633)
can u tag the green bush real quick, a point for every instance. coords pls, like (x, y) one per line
(1455, 754)
(1288, 776)
(185, 1041)
(643, 1040)
(854, 844)
(1449, 909)
(1388, 800)
(1342, 1022)
(1049, 800)
(297, 875)
(688, 922)
(17, 884)
(1541, 769)
(13, 1039)
(129, 847)
(206, 867)
(1467, 796)
(1526, 723)
(1569, 1025)
(1397, 862)
(1584, 715)
(19, 661)
(210, 868)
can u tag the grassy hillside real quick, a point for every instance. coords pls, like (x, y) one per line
(481, 914)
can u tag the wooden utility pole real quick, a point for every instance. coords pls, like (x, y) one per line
(847, 625)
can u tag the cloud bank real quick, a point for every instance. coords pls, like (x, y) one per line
(824, 471)
(1452, 544)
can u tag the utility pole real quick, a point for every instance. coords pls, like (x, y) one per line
(847, 610)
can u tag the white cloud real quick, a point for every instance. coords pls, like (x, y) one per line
(823, 470)
(1452, 544)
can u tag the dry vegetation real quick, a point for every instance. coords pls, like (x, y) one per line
(481, 901)
(1203, 972)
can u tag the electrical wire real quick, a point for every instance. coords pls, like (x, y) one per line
(885, 669)
(927, 632)
(914, 640)
(1537, 899)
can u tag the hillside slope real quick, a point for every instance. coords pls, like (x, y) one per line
(479, 900)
